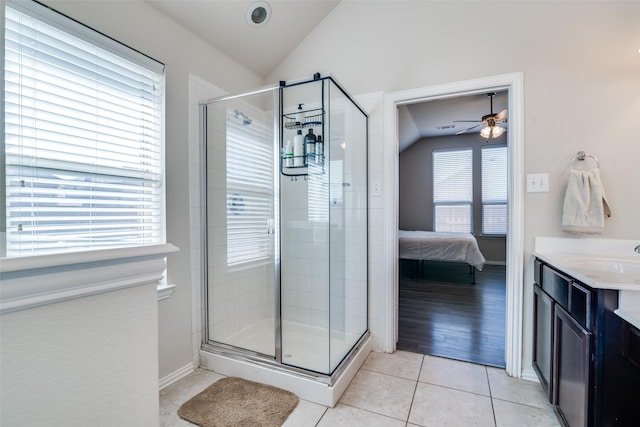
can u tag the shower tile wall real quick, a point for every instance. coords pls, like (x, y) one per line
(355, 218)
(304, 255)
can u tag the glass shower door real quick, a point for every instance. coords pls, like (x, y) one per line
(348, 224)
(241, 196)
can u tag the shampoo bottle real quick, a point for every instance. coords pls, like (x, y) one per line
(310, 145)
(299, 158)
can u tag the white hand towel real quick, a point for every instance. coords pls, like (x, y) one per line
(585, 204)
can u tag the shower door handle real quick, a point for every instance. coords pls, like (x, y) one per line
(271, 226)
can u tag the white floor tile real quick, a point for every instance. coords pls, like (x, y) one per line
(510, 414)
(187, 387)
(455, 374)
(401, 364)
(169, 416)
(516, 390)
(380, 393)
(444, 407)
(393, 388)
(348, 416)
(306, 414)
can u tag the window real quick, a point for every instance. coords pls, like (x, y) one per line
(83, 143)
(453, 190)
(250, 198)
(494, 190)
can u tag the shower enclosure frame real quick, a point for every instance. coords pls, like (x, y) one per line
(275, 362)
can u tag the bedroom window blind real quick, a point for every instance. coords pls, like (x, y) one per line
(250, 198)
(84, 137)
(494, 190)
(453, 190)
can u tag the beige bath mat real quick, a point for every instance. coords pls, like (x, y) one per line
(234, 402)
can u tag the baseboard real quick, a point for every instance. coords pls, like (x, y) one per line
(529, 375)
(175, 376)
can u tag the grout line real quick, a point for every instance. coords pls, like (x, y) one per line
(493, 409)
(486, 372)
(322, 416)
(415, 388)
(550, 407)
(371, 412)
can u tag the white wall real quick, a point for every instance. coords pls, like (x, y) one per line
(140, 26)
(89, 360)
(582, 87)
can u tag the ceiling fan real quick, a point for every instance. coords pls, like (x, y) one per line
(491, 122)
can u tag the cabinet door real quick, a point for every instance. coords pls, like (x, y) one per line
(571, 372)
(543, 337)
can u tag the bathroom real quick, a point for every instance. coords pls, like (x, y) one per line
(580, 92)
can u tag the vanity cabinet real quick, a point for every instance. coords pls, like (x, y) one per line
(579, 347)
(572, 369)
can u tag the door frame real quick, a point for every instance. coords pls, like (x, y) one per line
(513, 83)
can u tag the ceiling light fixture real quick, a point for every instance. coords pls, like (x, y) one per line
(258, 13)
(492, 130)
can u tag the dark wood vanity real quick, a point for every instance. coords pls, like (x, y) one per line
(587, 357)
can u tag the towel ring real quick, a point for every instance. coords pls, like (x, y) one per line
(581, 156)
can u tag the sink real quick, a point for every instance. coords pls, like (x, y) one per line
(607, 269)
(621, 266)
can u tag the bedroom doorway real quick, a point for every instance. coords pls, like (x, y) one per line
(513, 84)
(452, 220)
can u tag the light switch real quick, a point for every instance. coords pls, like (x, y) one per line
(537, 182)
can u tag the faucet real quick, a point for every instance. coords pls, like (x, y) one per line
(637, 249)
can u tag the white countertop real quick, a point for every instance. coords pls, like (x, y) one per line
(600, 264)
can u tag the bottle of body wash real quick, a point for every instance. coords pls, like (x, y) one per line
(299, 158)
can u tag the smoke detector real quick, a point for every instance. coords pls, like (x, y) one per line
(258, 13)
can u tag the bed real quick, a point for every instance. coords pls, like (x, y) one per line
(441, 246)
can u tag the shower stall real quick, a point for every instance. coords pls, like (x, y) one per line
(285, 260)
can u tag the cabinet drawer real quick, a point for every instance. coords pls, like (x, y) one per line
(580, 305)
(556, 285)
(537, 266)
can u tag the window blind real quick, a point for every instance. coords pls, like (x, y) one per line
(494, 190)
(250, 199)
(453, 190)
(83, 138)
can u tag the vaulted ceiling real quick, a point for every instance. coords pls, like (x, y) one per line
(224, 25)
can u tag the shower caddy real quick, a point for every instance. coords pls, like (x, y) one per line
(291, 122)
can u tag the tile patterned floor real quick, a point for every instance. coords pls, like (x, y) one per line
(404, 390)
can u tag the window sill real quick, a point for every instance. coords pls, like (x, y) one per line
(45, 279)
(165, 291)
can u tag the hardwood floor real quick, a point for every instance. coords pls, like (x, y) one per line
(442, 314)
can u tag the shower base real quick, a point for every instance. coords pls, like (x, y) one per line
(302, 347)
